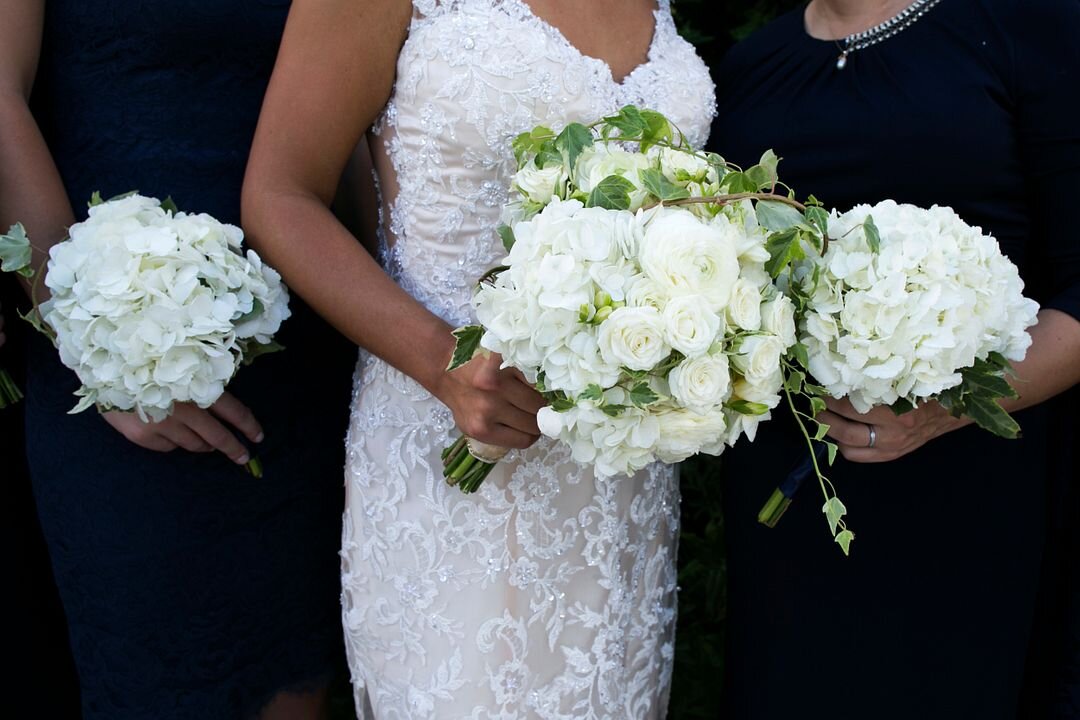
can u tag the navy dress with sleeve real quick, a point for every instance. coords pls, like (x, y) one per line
(192, 589)
(974, 106)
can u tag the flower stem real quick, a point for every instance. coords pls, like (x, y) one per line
(254, 467)
(9, 391)
(462, 469)
(737, 197)
(774, 509)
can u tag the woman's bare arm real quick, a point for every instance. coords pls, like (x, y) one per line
(334, 74)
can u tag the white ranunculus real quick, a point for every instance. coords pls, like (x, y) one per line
(690, 326)
(686, 256)
(700, 384)
(684, 433)
(541, 184)
(633, 337)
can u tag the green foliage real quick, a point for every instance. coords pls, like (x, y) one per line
(15, 251)
(468, 342)
(611, 193)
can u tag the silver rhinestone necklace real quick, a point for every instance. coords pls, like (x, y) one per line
(893, 26)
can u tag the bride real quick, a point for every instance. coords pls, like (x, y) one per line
(550, 593)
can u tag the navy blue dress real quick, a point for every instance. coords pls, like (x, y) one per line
(192, 590)
(974, 106)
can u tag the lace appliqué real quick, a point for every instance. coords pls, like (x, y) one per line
(550, 593)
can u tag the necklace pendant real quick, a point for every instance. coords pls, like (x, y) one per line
(841, 61)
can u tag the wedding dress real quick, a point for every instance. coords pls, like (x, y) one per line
(550, 593)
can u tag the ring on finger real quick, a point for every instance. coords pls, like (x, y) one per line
(873, 435)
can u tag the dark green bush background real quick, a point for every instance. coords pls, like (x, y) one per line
(712, 25)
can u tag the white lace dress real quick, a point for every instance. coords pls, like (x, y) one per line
(550, 593)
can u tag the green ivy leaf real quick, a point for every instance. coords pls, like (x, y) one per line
(834, 510)
(777, 216)
(745, 407)
(901, 406)
(641, 395)
(659, 186)
(801, 354)
(793, 383)
(506, 234)
(737, 182)
(528, 144)
(844, 541)
(255, 350)
(95, 199)
(817, 217)
(873, 237)
(561, 403)
(169, 206)
(831, 448)
(657, 129)
(629, 122)
(468, 342)
(592, 393)
(15, 255)
(572, 141)
(614, 410)
(612, 193)
(817, 406)
(822, 431)
(784, 249)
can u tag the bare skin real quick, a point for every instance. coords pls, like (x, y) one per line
(340, 56)
(32, 193)
(1052, 364)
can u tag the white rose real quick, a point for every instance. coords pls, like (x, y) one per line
(601, 161)
(778, 317)
(699, 384)
(691, 327)
(686, 256)
(692, 166)
(541, 184)
(633, 337)
(758, 357)
(744, 310)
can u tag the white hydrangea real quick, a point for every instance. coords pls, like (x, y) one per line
(151, 308)
(902, 322)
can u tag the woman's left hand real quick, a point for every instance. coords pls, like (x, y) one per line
(881, 435)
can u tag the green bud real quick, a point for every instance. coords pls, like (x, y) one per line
(586, 313)
(602, 299)
(603, 314)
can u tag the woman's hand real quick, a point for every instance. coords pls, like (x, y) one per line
(494, 406)
(881, 435)
(193, 429)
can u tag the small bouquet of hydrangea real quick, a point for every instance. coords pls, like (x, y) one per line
(635, 296)
(151, 306)
(906, 305)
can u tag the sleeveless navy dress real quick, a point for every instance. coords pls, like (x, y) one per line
(192, 590)
(974, 106)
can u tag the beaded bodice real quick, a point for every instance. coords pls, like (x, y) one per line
(471, 76)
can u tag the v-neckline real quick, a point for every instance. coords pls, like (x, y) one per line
(561, 37)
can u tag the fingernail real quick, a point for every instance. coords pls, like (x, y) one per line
(259, 437)
(243, 459)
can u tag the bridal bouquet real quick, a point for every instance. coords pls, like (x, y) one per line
(151, 306)
(905, 306)
(635, 296)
